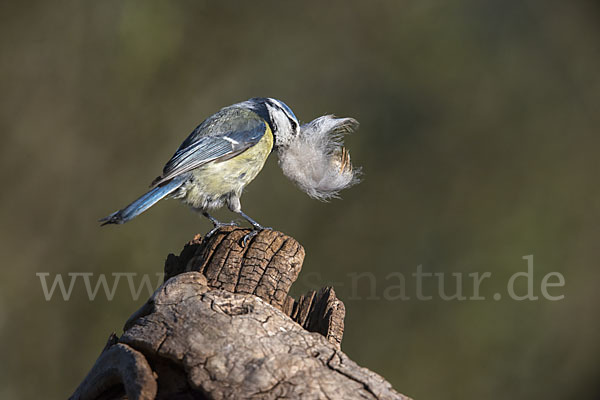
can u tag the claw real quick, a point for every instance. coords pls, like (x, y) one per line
(249, 236)
(219, 225)
(252, 233)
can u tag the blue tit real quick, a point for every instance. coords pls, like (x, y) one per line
(218, 159)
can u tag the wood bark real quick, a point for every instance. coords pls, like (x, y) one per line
(222, 326)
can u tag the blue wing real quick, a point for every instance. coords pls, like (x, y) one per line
(223, 136)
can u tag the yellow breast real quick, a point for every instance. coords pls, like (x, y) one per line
(214, 181)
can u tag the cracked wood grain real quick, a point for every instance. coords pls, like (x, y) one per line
(266, 267)
(222, 326)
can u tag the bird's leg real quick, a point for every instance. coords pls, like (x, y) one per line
(217, 224)
(235, 206)
(255, 224)
(257, 228)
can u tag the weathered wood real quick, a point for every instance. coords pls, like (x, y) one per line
(118, 366)
(319, 312)
(266, 267)
(222, 326)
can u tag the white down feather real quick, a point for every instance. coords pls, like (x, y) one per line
(316, 160)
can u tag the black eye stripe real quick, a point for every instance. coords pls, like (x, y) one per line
(276, 104)
(269, 105)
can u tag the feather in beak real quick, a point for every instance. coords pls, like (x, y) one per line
(316, 159)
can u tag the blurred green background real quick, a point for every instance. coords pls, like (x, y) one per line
(479, 142)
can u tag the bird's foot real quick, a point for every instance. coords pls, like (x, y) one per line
(257, 229)
(218, 225)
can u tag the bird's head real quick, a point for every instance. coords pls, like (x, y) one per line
(279, 116)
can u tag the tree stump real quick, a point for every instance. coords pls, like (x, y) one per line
(222, 326)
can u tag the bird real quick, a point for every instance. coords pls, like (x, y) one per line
(227, 150)
(218, 159)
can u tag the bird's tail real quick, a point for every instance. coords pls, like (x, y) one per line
(143, 203)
